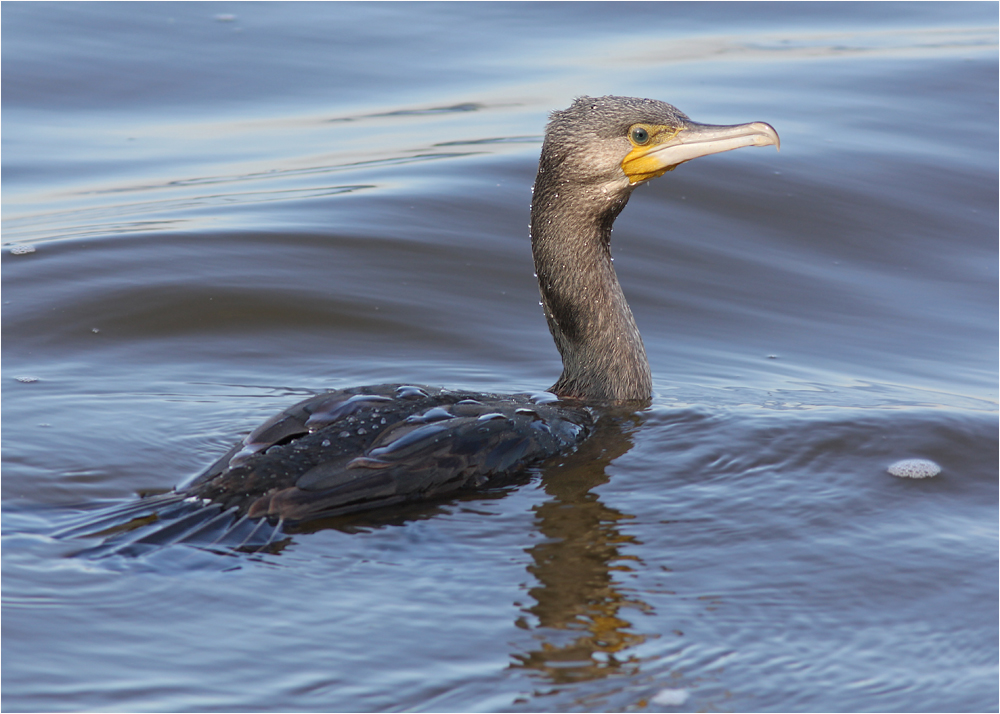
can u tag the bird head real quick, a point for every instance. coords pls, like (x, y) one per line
(624, 141)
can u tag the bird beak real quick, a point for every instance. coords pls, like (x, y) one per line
(670, 146)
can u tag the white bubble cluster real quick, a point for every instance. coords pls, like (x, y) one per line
(21, 249)
(915, 468)
(670, 697)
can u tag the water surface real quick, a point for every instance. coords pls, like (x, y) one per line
(212, 210)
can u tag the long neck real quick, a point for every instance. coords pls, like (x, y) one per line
(602, 352)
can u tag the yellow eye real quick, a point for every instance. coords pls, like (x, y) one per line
(639, 135)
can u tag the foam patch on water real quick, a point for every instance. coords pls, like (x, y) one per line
(914, 468)
(670, 697)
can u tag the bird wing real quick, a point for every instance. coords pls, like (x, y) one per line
(363, 448)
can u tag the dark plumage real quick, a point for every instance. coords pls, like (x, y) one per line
(370, 447)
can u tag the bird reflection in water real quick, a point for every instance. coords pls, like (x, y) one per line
(579, 607)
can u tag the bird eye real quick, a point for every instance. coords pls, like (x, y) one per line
(639, 135)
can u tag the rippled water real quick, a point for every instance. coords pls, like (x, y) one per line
(213, 210)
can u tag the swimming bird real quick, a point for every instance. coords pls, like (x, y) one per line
(369, 447)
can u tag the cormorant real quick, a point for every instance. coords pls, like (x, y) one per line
(368, 447)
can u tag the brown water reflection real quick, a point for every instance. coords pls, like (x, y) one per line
(580, 622)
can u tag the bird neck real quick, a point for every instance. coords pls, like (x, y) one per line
(602, 352)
